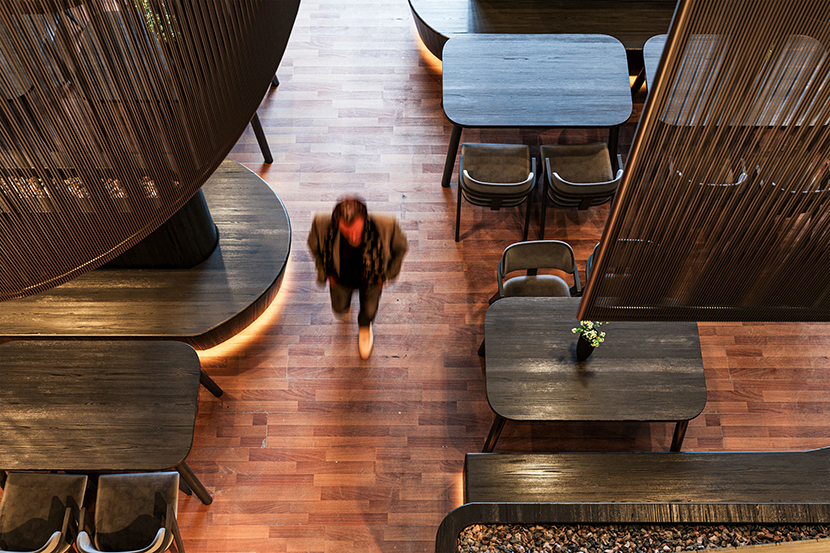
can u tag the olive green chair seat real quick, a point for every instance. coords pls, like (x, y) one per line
(134, 513)
(578, 175)
(495, 176)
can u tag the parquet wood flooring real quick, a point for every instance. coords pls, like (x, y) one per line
(312, 450)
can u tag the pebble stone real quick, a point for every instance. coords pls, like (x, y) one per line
(627, 538)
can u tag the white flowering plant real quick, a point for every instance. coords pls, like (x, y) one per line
(590, 330)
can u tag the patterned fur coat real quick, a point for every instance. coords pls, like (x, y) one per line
(384, 244)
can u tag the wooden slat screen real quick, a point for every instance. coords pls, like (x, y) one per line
(724, 209)
(112, 114)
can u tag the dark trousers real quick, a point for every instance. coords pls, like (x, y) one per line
(341, 299)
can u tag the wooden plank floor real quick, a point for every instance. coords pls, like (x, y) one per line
(313, 450)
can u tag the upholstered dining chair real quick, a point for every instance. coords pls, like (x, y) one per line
(578, 175)
(134, 513)
(531, 257)
(590, 265)
(39, 511)
(495, 176)
(807, 198)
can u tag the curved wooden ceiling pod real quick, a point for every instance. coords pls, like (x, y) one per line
(723, 212)
(113, 114)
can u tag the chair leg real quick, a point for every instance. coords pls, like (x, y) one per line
(177, 536)
(261, 139)
(544, 211)
(638, 82)
(209, 384)
(527, 216)
(458, 214)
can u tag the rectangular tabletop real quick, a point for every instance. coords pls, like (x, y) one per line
(643, 371)
(782, 83)
(98, 406)
(507, 80)
(534, 80)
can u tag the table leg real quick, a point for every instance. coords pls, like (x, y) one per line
(495, 432)
(208, 383)
(679, 434)
(194, 484)
(452, 152)
(261, 139)
(638, 82)
(613, 145)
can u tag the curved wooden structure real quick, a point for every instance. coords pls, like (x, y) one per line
(202, 306)
(183, 241)
(114, 114)
(632, 22)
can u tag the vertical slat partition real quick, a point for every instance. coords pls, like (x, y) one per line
(114, 113)
(724, 207)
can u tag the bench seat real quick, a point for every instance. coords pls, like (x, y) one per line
(700, 477)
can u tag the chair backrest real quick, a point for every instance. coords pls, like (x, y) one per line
(483, 188)
(36, 510)
(496, 175)
(566, 192)
(538, 254)
(812, 193)
(580, 174)
(590, 265)
(133, 511)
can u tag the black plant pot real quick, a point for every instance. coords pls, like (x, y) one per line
(584, 349)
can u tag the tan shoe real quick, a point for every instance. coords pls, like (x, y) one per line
(365, 341)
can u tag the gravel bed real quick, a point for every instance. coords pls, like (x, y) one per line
(627, 538)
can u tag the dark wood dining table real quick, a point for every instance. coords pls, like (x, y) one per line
(534, 81)
(705, 56)
(99, 406)
(642, 372)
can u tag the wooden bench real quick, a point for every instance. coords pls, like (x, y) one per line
(710, 477)
(632, 22)
(202, 306)
(642, 488)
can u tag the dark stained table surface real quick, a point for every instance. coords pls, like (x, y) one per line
(97, 405)
(652, 52)
(782, 83)
(534, 80)
(642, 371)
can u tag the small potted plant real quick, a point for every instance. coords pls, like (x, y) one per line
(590, 337)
